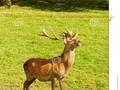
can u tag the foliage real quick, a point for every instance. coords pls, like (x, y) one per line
(64, 5)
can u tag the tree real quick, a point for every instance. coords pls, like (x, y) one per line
(6, 3)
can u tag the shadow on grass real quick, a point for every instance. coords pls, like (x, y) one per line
(64, 5)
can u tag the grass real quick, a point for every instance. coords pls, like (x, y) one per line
(19, 42)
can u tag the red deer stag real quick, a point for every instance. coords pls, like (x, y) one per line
(55, 68)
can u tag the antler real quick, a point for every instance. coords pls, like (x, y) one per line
(74, 36)
(65, 35)
(69, 32)
(44, 33)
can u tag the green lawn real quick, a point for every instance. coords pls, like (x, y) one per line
(19, 42)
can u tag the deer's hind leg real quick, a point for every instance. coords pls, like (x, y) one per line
(27, 83)
(29, 80)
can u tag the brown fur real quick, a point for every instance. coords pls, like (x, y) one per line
(48, 70)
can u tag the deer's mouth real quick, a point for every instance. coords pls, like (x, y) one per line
(79, 44)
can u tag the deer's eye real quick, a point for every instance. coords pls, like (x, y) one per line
(79, 41)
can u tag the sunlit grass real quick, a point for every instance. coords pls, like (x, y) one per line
(19, 41)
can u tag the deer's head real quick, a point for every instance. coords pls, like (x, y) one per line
(70, 41)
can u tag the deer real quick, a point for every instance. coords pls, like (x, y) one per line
(55, 68)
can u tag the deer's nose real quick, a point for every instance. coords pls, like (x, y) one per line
(79, 43)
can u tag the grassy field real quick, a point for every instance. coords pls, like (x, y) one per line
(19, 41)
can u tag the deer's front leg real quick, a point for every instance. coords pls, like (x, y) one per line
(53, 84)
(61, 83)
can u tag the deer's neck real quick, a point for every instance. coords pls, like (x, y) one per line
(68, 58)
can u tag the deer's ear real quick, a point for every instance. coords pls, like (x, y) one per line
(65, 41)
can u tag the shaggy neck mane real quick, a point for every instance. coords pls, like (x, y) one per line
(68, 57)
